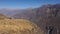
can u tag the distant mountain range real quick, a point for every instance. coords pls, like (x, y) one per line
(10, 12)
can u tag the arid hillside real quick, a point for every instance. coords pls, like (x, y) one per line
(18, 26)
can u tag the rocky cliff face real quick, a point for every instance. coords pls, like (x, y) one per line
(45, 16)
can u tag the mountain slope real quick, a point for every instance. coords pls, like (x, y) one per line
(3, 17)
(19, 26)
(44, 16)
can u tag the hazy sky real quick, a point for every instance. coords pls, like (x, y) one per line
(16, 4)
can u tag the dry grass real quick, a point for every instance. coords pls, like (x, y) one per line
(18, 26)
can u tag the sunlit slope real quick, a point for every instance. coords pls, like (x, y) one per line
(3, 17)
(18, 26)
